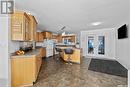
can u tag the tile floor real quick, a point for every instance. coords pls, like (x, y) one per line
(56, 73)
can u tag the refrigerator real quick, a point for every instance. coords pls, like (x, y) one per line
(48, 44)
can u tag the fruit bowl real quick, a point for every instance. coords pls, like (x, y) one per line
(19, 52)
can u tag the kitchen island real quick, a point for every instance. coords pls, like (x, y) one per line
(75, 57)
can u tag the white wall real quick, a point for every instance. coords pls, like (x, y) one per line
(123, 48)
(109, 41)
(7, 47)
(3, 50)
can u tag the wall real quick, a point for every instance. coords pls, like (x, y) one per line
(78, 37)
(7, 46)
(128, 78)
(13, 45)
(123, 47)
(3, 51)
(109, 41)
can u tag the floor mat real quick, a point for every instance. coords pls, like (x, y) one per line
(108, 66)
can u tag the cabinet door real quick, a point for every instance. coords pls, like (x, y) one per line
(73, 39)
(44, 52)
(38, 63)
(40, 37)
(32, 27)
(59, 38)
(36, 67)
(22, 71)
(34, 30)
(20, 27)
(26, 30)
(17, 32)
(37, 36)
(47, 35)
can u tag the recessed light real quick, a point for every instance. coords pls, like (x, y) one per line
(96, 23)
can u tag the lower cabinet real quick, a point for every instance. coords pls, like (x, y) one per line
(24, 70)
(43, 52)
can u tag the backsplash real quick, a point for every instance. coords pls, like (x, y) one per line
(27, 44)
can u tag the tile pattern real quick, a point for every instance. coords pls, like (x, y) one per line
(56, 73)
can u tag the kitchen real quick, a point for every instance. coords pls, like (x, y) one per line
(65, 43)
(34, 46)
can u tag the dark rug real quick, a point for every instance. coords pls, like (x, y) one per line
(108, 66)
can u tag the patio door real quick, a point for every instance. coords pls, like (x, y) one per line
(91, 45)
(96, 45)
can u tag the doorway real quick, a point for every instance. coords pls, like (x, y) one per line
(95, 45)
(91, 45)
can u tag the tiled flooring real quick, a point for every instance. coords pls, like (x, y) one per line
(55, 73)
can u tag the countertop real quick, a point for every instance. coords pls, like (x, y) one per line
(62, 44)
(63, 47)
(31, 53)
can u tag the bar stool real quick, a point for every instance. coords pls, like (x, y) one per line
(69, 52)
(59, 51)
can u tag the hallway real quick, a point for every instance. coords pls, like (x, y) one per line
(55, 73)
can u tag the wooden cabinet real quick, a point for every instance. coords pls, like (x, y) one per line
(33, 28)
(43, 52)
(71, 38)
(59, 38)
(47, 35)
(23, 27)
(38, 64)
(20, 26)
(25, 69)
(39, 37)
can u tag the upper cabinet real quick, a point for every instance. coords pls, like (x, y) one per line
(59, 38)
(33, 27)
(47, 35)
(70, 38)
(23, 27)
(39, 36)
(54, 36)
(20, 26)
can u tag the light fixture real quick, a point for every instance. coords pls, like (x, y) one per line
(96, 23)
(61, 30)
(28, 13)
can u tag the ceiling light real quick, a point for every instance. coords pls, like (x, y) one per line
(28, 13)
(96, 23)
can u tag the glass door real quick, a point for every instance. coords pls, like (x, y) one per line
(96, 45)
(101, 45)
(91, 45)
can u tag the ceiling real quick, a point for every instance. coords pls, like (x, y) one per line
(76, 15)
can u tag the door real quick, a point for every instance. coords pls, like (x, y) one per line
(91, 49)
(96, 45)
(101, 45)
